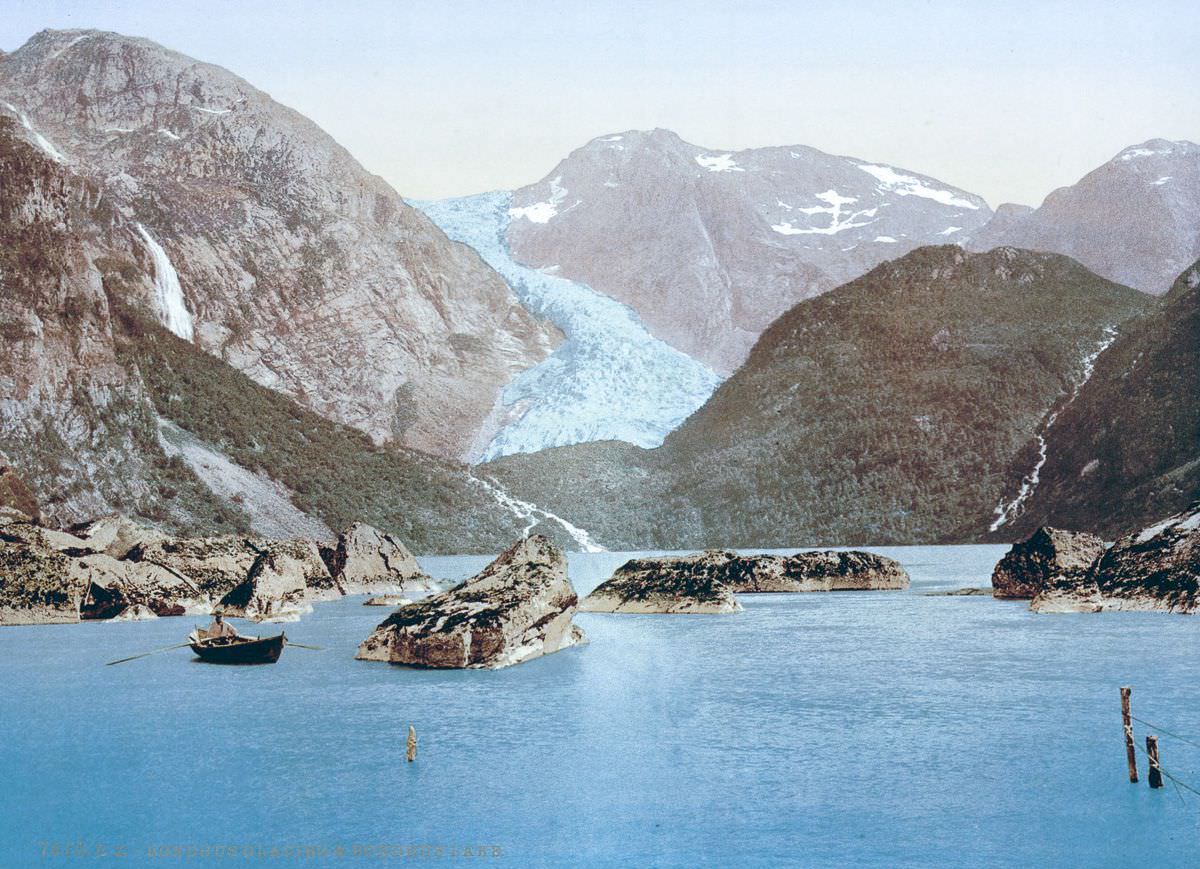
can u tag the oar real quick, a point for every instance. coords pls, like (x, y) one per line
(144, 654)
(302, 646)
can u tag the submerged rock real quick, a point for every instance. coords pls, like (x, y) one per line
(368, 561)
(517, 608)
(284, 579)
(653, 585)
(1049, 557)
(387, 600)
(1157, 568)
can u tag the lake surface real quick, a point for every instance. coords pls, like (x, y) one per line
(848, 729)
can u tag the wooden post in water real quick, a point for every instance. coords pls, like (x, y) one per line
(412, 743)
(1155, 771)
(1126, 717)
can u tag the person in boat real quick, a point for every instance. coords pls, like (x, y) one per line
(220, 627)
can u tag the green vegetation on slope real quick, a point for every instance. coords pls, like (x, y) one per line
(335, 472)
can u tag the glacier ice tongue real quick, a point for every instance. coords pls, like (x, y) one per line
(610, 380)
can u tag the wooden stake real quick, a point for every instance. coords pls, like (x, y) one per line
(1126, 716)
(1155, 770)
(412, 743)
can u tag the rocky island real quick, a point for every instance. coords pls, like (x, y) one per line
(662, 585)
(517, 608)
(706, 582)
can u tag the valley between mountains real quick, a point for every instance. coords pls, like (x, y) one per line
(215, 320)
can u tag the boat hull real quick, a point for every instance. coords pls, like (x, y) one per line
(245, 651)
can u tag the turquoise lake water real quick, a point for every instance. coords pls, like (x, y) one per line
(849, 729)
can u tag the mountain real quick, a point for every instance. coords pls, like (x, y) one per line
(1135, 220)
(709, 247)
(274, 249)
(1127, 450)
(609, 380)
(105, 409)
(901, 407)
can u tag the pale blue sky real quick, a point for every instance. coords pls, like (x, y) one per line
(447, 97)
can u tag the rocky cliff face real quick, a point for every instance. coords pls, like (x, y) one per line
(1127, 450)
(75, 423)
(518, 608)
(709, 246)
(272, 247)
(1135, 220)
(901, 407)
(103, 409)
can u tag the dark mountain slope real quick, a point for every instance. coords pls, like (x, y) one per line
(1127, 451)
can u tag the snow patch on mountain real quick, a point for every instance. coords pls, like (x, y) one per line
(41, 141)
(610, 380)
(833, 207)
(541, 212)
(718, 163)
(172, 309)
(908, 185)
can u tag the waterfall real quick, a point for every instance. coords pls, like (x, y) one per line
(1005, 512)
(168, 293)
(534, 514)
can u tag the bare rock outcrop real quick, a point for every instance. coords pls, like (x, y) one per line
(284, 580)
(1048, 558)
(1157, 568)
(368, 561)
(111, 586)
(650, 585)
(214, 564)
(519, 607)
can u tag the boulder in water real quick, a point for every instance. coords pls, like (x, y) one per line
(1049, 557)
(368, 561)
(284, 579)
(519, 607)
(37, 583)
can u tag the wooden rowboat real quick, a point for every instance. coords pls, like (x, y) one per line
(237, 650)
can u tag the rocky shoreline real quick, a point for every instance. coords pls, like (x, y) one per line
(114, 568)
(1153, 569)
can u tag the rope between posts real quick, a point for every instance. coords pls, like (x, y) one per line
(1166, 732)
(1177, 781)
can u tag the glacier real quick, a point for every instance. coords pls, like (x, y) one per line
(609, 380)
